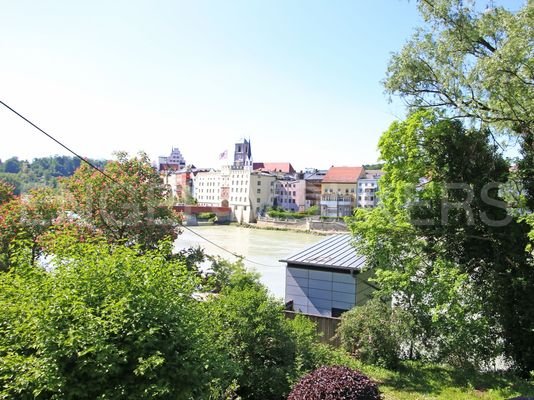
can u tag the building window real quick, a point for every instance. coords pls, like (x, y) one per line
(259, 190)
(259, 183)
(258, 200)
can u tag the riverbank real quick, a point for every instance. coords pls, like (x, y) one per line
(318, 227)
(284, 229)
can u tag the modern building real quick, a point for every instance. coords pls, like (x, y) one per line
(338, 188)
(175, 161)
(327, 278)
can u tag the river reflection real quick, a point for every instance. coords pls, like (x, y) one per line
(261, 246)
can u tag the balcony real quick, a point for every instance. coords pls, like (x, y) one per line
(338, 199)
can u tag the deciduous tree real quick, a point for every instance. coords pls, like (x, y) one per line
(127, 203)
(444, 244)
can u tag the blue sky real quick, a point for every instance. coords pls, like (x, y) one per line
(300, 78)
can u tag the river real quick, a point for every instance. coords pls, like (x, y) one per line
(261, 248)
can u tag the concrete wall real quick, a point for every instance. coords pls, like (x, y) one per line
(317, 292)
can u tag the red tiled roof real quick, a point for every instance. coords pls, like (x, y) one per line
(274, 167)
(343, 175)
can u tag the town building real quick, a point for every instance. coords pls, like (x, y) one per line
(180, 183)
(247, 193)
(243, 154)
(290, 194)
(367, 188)
(313, 178)
(275, 167)
(338, 188)
(327, 278)
(175, 161)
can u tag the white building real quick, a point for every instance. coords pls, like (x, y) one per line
(367, 188)
(247, 193)
(174, 161)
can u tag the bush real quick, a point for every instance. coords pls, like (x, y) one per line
(375, 333)
(335, 383)
(206, 215)
(107, 323)
(249, 326)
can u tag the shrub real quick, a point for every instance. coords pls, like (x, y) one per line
(375, 333)
(206, 215)
(249, 326)
(335, 383)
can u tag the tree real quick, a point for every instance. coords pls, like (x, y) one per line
(107, 323)
(6, 191)
(475, 65)
(12, 165)
(126, 203)
(251, 328)
(469, 63)
(444, 245)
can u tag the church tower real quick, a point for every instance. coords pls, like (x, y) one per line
(242, 154)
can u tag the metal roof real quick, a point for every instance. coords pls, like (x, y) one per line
(334, 252)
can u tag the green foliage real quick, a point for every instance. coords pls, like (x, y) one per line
(130, 208)
(308, 353)
(45, 171)
(206, 215)
(443, 258)
(251, 328)
(26, 220)
(6, 191)
(376, 333)
(12, 165)
(478, 66)
(275, 212)
(106, 323)
(469, 63)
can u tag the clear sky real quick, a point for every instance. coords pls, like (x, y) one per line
(300, 78)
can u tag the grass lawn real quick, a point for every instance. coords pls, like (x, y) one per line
(415, 380)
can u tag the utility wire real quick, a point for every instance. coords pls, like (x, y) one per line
(226, 250)
(58, 142)
(120, 184)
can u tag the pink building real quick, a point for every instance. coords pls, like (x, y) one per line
(290, 194)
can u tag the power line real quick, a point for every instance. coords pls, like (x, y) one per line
(120, 184)
(226, 250)
(58, 142)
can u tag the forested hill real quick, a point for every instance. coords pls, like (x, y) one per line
(25, 175)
